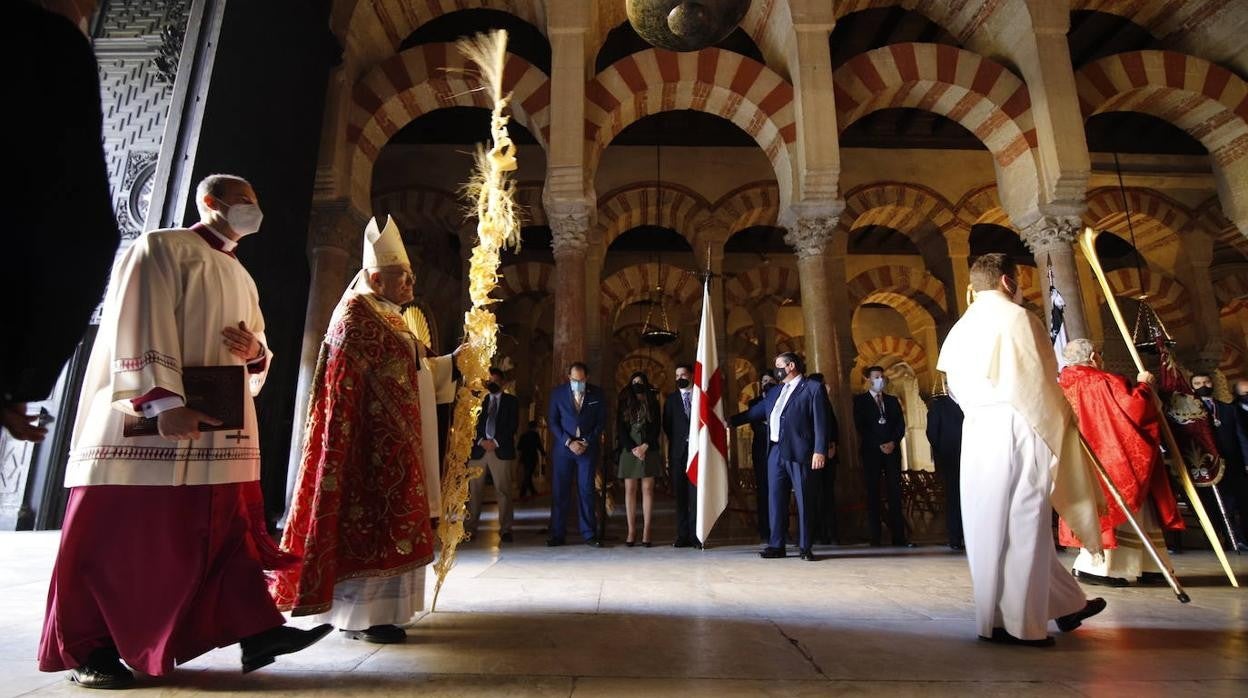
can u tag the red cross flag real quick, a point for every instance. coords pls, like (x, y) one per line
(707, 466)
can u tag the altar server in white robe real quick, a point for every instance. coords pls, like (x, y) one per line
(1021, 458)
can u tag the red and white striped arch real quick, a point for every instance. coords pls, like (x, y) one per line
(970, 89)
(531, 278)
(1232, 364)
(915, 287)
(673, 206)
(1204, 99)
(1156, 218)
(756, 203)
(770, 281)
(906, 208)
(372, 29)
(422, 206)
(1164, 19)
(982, 205)
(1168, 298)
(639, 281)
(426, 78)
(712, 80)
(887, 351)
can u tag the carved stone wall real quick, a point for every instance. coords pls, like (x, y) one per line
(131, 36)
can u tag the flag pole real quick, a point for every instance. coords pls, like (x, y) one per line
(1135, 525)
(1087, 242)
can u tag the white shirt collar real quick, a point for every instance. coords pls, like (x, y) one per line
(227, 244)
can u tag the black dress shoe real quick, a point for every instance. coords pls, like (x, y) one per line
(103, 670)
(379, 634)
(770, 553)
(1071, 621)
(957, 547)
(554, 542)
(262, 648)
(1001, 637)
(593, 543)
(1152, 579)
(681, 543)
(1098, 580)
(904, 544)
(808, 555)
(505, 538)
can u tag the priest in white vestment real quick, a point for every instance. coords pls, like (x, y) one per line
(369, 482)
(1021, 458)
(164, 542)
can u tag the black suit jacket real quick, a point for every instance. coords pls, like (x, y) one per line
(872, 434)
(1230, 435)
(62, 233)
(505, 425)
(944, 430)
(676, 428)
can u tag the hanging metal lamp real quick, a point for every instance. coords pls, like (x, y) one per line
(660, 333)
(685, 25)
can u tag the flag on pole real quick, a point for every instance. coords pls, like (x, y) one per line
(707, 465)
(1057, 313)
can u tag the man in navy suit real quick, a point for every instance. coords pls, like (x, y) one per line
(577, 417)
(1232, 440)
(796, 412)
(881, 426)
(495, 449)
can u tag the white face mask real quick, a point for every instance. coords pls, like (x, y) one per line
(877, 384)
(244, 219)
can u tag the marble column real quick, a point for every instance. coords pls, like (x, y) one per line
(809, 234)
(335, 232)
(1193, 266)
(959, 241)
(1051, 239)
(569, 225)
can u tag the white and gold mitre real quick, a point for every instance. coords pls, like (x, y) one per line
(384, 248)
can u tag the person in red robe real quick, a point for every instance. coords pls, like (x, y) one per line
(368, 481)
(1122, 426)
(163, 548)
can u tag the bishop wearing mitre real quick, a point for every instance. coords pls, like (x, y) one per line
(368, 481)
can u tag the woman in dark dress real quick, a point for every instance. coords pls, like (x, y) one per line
(637, 432)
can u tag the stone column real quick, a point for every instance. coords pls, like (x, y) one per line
(1051, 239)
(335, 232)
(808, 234)
(569, 226)
(959, 241)
(596, 335)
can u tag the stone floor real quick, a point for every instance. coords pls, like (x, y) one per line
(528, 620)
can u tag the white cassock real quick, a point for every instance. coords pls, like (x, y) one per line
(170, 297)
(367, 601)
(1021, 458)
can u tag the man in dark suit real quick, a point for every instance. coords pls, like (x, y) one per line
(676, 426)
(1232, 440)
(797, 421)
(944, 433)
(494, 450)
(822, 503)
(577, 417)
(758, 455)
(881, 426)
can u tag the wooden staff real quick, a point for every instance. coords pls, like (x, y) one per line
(1135, 525)
(1087, 242)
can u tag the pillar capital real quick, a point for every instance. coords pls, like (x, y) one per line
(569, 224)
(335, 227)
(1052, 232)
(809, 226)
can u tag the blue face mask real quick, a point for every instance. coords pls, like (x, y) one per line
(578, 386)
